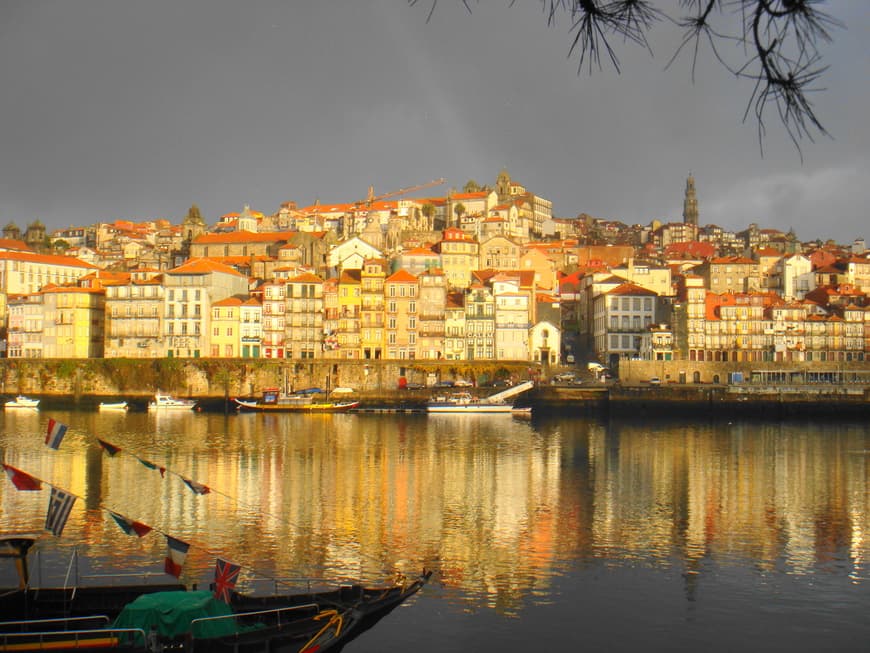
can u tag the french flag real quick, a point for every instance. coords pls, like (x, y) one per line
(175, 555)
(55, 434)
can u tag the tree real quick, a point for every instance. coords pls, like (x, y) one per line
(781, 40)
(428, 210)
(459, 210)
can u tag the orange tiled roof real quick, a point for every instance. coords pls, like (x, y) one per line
(401, 276)
(204, 266)
(242, 237)
(49, 259)
(229, 301)
(630, 289)
(305, 277)
(52, 288)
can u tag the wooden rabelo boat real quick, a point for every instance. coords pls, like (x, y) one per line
(273, 400)
(168, 617)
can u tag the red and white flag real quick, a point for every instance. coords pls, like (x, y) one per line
(175, 556)
(55, 434)
(22, 480)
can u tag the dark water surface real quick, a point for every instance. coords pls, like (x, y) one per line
(549, 534)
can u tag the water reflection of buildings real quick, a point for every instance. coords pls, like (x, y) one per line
(498, 506)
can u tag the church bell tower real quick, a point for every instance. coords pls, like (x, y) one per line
(690, 203)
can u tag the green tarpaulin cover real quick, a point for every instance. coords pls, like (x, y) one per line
(170, 614)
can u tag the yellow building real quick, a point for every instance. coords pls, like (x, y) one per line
(499, 253)
(372, 276)
(251, 330)
(459, 257)
(400, 290)
(349, 309)
(73, 322)
(226, 322)
(24, 273)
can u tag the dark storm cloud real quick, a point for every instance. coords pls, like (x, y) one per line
(114, 109)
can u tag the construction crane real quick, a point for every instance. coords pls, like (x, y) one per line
(360, 212)
(372, 198)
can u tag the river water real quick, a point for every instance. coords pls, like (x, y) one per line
(544, 534)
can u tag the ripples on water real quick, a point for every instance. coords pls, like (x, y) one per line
(549, 533)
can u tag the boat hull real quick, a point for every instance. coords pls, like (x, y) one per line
(468, 409)
(166, 403)
(329, 407)
(22, 402)
(120, 405)
(297, 623)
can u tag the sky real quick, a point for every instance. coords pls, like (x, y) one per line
(116, 109)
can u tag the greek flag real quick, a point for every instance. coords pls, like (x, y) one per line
(59, 507)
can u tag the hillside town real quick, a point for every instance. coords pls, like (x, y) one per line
(484, 273)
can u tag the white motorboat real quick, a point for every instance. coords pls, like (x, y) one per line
(168, 402)
(465, 402)
(113, 405)
(22, 402)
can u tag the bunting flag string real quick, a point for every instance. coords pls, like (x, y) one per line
(62, 501)
(198, 488)
(130, 526)
(151, 465)
(195, 486)
(55, 433)
(22, 480)
(109, 448)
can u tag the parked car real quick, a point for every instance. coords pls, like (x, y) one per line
(462, 383)
(414, 386)
(564, 377)
(446, 383)
(655, 381)
(309, 391)
(501, 383)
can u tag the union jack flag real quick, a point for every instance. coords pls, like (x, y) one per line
(225, 576)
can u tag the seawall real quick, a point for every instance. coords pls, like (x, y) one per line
(214, 382)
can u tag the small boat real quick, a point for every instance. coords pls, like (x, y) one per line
(167, 402)
(22, 402)
(304, 402)
(113, 405)
(150, 618)
(466, 403)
